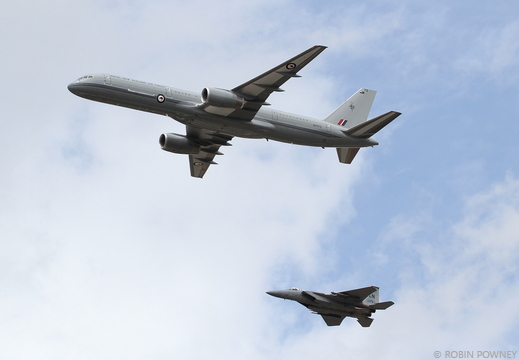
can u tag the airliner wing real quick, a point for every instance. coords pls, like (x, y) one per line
(257, 90)
(210, 143)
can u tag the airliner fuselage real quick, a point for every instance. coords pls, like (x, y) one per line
(182, 105)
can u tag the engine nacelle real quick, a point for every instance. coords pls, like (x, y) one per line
(179, 144)
(222, 98)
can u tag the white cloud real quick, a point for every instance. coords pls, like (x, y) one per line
(494, 52)
(492, 224)
(469, 282)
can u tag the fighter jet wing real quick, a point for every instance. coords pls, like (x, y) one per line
(357, 294)
(332, 320)
(210, 143)
(256, 91)
(365, 322)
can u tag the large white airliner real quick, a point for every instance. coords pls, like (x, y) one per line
(218, 115)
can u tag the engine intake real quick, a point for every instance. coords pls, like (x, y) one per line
(178, 144)
(222, 98)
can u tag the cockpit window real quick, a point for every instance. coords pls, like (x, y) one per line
(294, 289)
(84, 78)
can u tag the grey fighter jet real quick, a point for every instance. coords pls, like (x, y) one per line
(218, 115)
(334, 307)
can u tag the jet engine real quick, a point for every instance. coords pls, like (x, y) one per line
(179, 144)
(222, 98)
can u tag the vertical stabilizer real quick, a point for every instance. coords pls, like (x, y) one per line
(353, 111)
(371, 299)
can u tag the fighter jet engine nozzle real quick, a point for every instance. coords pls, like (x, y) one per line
(222, 98)
(178, 144)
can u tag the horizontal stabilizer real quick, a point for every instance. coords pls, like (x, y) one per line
(365, 322)
(371, 127)
(346, 155)
(332, 320)
(382, 305)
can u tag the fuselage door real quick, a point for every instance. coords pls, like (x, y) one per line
(328, 128)
(108, 80)
(168, 92)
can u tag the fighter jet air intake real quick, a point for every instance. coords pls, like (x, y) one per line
(334, 307)
(213, 118)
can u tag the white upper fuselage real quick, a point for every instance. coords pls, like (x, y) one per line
(184, 106)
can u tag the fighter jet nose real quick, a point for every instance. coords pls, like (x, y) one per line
(275, 293)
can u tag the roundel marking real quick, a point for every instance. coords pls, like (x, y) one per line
(161, 98)
(290, 66)
(197, 163)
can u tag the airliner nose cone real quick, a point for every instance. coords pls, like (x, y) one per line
(72, 87)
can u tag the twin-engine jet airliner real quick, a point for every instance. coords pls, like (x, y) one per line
(218, 115)
(334, 307)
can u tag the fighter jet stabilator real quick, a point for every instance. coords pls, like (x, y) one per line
(334, 307)
(213, 120)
